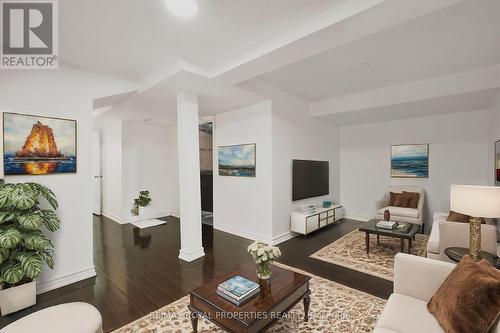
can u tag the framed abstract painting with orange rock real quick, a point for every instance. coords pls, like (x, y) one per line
(497, 163)
(35, 145)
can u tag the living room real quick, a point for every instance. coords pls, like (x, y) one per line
(324, 119)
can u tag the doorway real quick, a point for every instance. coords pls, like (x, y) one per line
(206, 130)
(96, 172)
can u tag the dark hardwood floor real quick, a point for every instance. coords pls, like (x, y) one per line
(138, 270)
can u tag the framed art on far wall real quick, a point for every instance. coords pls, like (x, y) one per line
(237, 160)
(497, 163)
(36, 145)
(410, 161)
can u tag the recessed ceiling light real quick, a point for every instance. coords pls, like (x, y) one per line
(182, 8)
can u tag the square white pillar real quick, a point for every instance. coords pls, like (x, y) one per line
(189, 177)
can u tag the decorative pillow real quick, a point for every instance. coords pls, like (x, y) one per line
(394, 196)
(457, 217)
(414, 197)
(469, 298)
(402, 201)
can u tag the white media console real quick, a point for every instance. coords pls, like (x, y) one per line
(304, 223)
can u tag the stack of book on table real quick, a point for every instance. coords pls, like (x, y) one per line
(308, 209)
(237, 290)
(387, 225)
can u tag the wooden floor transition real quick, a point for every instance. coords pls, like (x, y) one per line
(138, 270)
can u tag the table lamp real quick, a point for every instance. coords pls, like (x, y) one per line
(477, 202)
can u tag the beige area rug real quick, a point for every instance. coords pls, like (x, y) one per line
(334, 308)
(350, 251)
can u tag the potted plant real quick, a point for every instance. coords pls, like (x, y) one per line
(142, 201)
(24, 249)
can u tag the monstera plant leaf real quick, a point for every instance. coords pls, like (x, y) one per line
(31, 220)
(45, 192)
(36, 241)
(7, 216)
(32, 265)
(23, 197)
(13, 273)
(10, 238)
(50, 220)
(47, 257)
(4, 254)
(5, 195)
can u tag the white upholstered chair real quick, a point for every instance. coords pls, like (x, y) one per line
(455, 234)
(74, 317)
(401, 214)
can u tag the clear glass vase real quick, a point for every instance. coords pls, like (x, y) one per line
(264, 270)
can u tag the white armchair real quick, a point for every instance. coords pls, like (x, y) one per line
(400, 214)
(455, 234)
(416, 279)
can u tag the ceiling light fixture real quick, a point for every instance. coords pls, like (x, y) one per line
(182, 8)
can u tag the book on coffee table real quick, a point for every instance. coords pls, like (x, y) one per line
(237, 290)
(387, 225)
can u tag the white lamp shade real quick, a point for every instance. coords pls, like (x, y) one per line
(475, 201)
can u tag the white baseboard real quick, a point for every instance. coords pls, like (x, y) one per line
(149, 217)
(113, 217)
(135, 218)
(243, 233)
(283, 238)
(174, 214)
(65, 280)
(357, 217)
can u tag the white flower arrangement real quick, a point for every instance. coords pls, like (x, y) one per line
(262, 253)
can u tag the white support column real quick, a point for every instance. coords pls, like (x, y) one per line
(189, 177)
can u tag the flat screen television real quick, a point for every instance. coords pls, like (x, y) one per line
(310, 179)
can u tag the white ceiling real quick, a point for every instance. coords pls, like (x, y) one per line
(133, 39)
(457, 38)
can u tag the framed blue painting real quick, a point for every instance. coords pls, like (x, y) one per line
(237, 160)
(35, 145)
(410, 161)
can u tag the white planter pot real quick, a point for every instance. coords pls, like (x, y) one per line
(145, 212)
(17, 298)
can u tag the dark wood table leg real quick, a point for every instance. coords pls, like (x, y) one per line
(307, 301)
(409, 244)
(367, 239)
(402, 244)
(194, 320)
(378, 239)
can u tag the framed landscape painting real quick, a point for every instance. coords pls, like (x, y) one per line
(237, 161)
(410, 161)
(35, 145)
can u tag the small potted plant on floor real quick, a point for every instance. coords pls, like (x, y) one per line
(140, 203)
(24, 249)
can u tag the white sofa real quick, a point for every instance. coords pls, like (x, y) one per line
(455, 234)
(416, 279)
(401, 214)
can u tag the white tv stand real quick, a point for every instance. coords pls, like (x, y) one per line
(305, 223)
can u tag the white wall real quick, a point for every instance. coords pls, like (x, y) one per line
(139, 156)
(298, 136)
(458, 154)
(63, 93)
(243, 205)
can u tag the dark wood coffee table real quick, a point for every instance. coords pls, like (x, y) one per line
(277, 296)
(370, 227)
